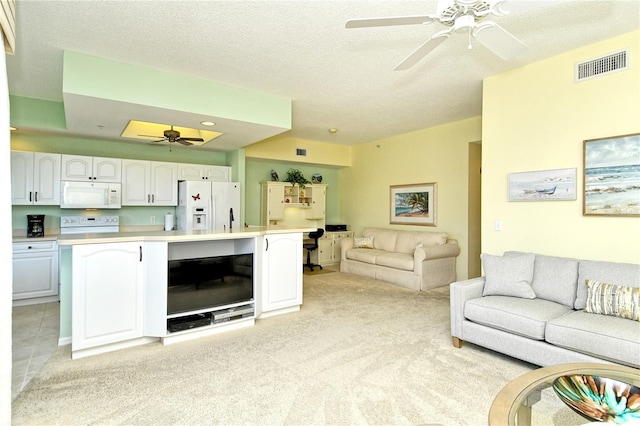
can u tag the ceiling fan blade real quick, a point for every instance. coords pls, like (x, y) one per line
(385, 22)
(191, 139)
(498, 40)
(503, 7)
(159, 140)
(184, 142)
(423, 50)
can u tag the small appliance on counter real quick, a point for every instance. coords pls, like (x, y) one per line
(335, 228)
(35, 225)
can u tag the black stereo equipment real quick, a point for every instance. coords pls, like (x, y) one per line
(188, 322)
(335, 228)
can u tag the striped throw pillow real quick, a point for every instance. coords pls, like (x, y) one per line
(611, 299)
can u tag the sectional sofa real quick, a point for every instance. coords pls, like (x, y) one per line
(418, 260)
(550, 310)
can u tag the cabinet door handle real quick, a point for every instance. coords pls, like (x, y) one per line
(153, 198)
(140, 253)
(36, 196)
(267, 247)
(148, 198)
(30, 196)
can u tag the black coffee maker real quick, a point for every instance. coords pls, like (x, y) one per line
(35, 225)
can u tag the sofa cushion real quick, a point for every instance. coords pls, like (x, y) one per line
(402, 261)
(626, 274)
(383, 239)
(363, 242)
(364, 255)
(608, 337)
(407, 241)
(554, 278)
(610, 299)
(525, 317)
(508, 275)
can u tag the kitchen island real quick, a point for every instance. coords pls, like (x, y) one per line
(125, 289)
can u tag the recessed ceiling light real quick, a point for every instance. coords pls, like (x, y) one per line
(332, 130)
(13, 129)
(207, 123)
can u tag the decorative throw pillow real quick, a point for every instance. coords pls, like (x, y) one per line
(363, 242)
(508, 275)
(610, 299)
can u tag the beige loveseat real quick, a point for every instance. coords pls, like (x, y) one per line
(418, 260)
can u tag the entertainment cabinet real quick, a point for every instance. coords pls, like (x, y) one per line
(129, 289)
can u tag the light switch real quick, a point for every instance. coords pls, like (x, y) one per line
(497, 225)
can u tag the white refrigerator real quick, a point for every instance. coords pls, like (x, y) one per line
(208, 206)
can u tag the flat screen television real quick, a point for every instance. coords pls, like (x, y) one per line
(209, 282)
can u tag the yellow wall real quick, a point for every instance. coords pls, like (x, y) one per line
(438, 154)
(283, 148)
(536, 118)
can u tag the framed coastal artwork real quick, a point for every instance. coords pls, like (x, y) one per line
(612, 176)
(414, 204)
(543, 185)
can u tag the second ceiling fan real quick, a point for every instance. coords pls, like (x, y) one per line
(460, 16)
(171, 135)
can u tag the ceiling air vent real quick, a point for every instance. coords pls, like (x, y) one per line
(614, 62)
(300, 152)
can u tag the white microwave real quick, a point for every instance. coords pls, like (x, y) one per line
(90, 195)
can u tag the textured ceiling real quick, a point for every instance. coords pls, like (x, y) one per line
(336, 78)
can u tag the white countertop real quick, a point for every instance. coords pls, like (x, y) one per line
(173, 236)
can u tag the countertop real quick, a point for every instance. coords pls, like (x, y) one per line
(173, 236)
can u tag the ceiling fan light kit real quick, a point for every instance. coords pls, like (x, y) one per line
(462, 16)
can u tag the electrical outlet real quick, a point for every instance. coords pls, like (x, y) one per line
(153, 219)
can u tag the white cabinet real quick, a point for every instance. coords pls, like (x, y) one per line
(149, 183)
(204, 172)
(278, 196)
(96, 169)
(316, 199)
(35, 272)
(107, 294)
(272, 202)
(329, 247)
(35, 178)
(281, 283)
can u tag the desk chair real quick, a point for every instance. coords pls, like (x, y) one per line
(314, 235)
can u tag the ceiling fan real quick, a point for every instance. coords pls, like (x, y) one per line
(174, 136)
(461, 16)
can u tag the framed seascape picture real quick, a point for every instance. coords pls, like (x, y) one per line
(612, 176)
(543, 185)
(414, 204)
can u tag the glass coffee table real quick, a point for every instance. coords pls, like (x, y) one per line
(518, 401)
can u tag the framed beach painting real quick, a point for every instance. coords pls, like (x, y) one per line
(612, 176)
(414, 204)
(543, 185)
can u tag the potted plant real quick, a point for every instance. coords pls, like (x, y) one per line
(295, 176)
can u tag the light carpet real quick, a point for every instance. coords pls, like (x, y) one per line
(358, 352)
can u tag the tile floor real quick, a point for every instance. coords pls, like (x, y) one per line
(35, 336)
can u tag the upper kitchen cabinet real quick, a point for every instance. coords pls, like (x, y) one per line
(149, 183)
(95, 169)
(204, 172)
(35, 178)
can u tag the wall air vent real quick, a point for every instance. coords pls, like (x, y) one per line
(614, 62)
(301, 152)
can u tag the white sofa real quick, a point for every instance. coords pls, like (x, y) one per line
(418, 260)
(541, 309)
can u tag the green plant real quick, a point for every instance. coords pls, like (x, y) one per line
(295, 176)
